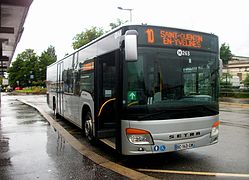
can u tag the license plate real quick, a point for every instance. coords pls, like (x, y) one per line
(184, 146)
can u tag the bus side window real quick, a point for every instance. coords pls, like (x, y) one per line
(77, 83)
(87, 77)
(65, 80)
(108, 79)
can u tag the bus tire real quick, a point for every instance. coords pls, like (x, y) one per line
(88, 127)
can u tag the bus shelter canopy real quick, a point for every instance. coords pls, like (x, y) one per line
(12, 17)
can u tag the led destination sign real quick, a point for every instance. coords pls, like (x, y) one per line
(181, 39)
(170, 37)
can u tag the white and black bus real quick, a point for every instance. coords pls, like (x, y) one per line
(143, 89)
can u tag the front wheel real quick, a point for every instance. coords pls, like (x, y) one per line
(88, 127)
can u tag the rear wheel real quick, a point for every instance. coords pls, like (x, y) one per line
(88, 127)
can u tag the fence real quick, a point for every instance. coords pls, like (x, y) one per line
(237, 92)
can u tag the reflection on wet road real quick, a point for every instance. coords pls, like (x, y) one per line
(60, 161)
(31, 149)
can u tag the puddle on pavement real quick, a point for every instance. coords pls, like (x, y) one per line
(34, 151)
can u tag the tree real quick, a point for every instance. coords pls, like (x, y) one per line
(23, 68)
(29, 69)
(225, 80)
(246, 81)
(117, 23)
(47, 57)
(225, 53)
(86, 36)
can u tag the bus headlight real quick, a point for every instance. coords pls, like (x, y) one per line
(215, 129)
(138, 136)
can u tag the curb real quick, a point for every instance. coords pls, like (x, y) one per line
(82, 149)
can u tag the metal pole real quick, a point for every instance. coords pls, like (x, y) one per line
(126, 9)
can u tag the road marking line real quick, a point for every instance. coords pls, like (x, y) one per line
(194, 173)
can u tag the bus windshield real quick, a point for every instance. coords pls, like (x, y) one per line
(167, 83)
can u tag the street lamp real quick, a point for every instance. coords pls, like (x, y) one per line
(126, 9)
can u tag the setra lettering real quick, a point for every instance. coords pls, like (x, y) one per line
(184, 135)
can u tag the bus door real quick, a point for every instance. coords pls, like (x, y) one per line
(106, 96)
(59, 104)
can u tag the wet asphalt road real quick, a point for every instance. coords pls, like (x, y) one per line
(31, 149)
(230, 155)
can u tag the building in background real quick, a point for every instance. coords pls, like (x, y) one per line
(238, 66)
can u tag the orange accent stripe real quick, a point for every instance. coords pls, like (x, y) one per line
(113, 99)
(132, 103)
(136, 131)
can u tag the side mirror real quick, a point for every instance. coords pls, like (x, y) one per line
(131, 45)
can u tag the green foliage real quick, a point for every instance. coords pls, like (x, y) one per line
(117, 23)
(47, 57)
(1, 80)
(90, 34)
(21, 69)
(246, 81)
(225, 53)
(28, 68)
(234, 93)
(86, 36)
(224, 83)
(225, 80)
(227, 90)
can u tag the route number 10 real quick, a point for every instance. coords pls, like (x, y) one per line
(150, 36)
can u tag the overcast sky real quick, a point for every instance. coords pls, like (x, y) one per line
(56, 22)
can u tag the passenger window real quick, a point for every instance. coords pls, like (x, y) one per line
(87, 76)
